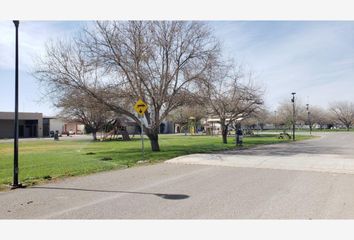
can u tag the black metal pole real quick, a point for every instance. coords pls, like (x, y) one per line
(310, 122)
(293, 100)
(308, 117)
(15, 183)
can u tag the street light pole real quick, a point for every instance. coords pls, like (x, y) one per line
(293, 101)
(275, 120)
(308, 117)
(15, 183)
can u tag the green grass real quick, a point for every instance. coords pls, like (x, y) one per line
(307, 130)
(47, 159)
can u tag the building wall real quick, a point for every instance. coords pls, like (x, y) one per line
(6, 128)
(40, 126)
(56, 124)
(75, 127)
(81, 128)
(167, 127)
(7, 120)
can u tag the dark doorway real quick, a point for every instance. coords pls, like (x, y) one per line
(28, 128)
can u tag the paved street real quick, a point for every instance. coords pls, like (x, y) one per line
(303, 180)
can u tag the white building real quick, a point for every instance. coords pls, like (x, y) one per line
(63, 127)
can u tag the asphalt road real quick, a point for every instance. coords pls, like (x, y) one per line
(217, 186)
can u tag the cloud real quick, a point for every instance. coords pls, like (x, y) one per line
(314, 59)
(295, 56)
(32, 38)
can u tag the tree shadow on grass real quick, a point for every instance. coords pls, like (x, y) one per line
(162, 195)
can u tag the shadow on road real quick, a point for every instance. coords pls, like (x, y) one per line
(162, 195)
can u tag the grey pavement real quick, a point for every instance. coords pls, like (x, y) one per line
(332, 152)
(196, 187)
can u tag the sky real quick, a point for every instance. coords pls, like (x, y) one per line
(315, 59)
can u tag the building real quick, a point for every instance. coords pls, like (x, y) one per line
(34, 125)
(53, 124)
(30, 124)
(167, 127)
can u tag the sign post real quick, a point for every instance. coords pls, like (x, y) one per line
(140, 107)
(142, 137)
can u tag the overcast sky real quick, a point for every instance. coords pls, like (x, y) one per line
(314, 59)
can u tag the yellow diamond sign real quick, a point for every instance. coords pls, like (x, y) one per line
(140, 107)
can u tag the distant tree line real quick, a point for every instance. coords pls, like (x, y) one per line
(339, 114)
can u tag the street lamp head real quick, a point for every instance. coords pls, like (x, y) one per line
(16, 22)
(293, 99)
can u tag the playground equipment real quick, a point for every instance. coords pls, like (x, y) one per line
(118, 129)
(191, 125)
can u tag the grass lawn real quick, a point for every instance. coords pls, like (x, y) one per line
(308, 130)
(47, 159)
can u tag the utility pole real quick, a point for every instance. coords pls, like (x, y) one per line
(15, 183)
(293, 101)
(275, 119)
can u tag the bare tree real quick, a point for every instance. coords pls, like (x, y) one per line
(259, 118)
(285, 113)
(230, 94)
(343, 113)
(319, 116)
(156, 61)
(80, 107)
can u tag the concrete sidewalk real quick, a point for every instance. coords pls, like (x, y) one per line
(329, 153)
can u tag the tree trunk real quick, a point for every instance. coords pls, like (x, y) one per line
(125, 135)
(224, 129)
(122, 129)
(154, 141)
(94, 135)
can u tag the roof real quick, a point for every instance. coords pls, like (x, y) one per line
(21, 115)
